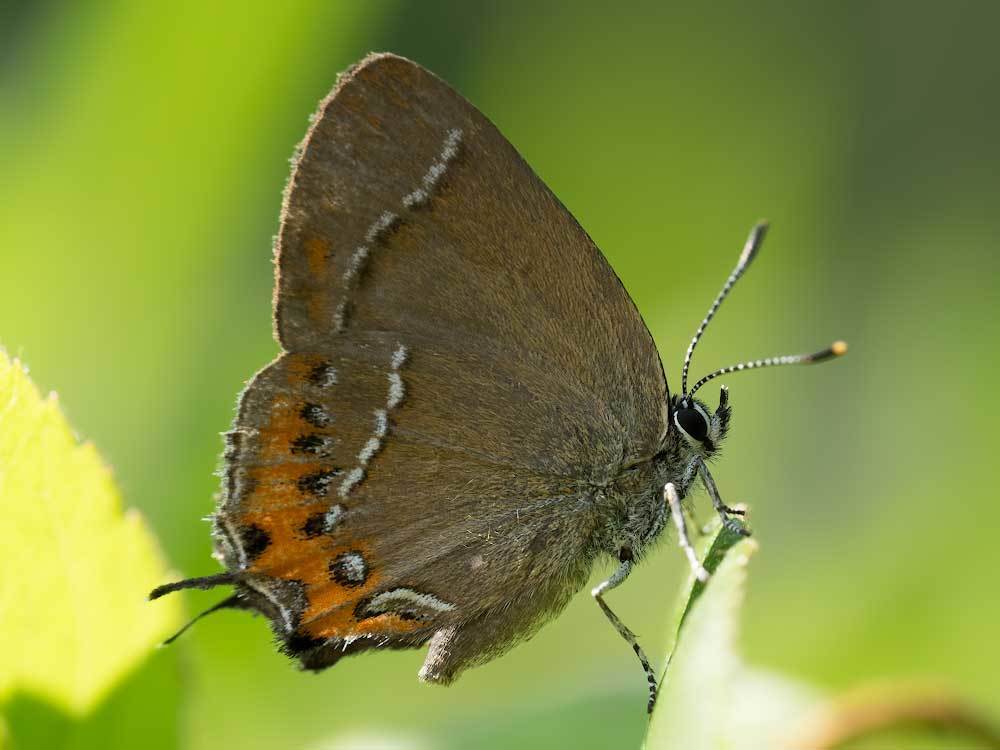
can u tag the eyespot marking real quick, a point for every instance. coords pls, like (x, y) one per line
(322, 523)
(315, 415)
(316, 445)
(314, 526)
(323, 375)
(254, 540)
(349, 569)
(318, 483)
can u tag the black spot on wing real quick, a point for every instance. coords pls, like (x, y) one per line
(349, 569)
(323, 375)
(318, 483)
(315, 445)
(314, 526)
(315, 415)
(254, 541)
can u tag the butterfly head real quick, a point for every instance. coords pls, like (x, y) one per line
(700, 428)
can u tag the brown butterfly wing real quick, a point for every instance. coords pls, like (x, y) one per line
(462, 370)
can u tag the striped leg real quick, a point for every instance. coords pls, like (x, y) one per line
(598, 593)
(724, 511)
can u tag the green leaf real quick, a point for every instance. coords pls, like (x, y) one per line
(708, 697)
(144, 704)
(75, 568)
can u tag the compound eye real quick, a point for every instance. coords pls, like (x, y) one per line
(693, 422)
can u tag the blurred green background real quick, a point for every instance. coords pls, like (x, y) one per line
(144, 147)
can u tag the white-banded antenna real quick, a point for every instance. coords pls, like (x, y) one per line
(836, 349)
(749, 252)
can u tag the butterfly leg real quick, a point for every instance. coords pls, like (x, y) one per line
(673, 500)
(598, 593)
(724, 511)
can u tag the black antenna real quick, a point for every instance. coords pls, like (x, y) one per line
(205, 582)
(836, 349)
(749, 251)
(233, 602)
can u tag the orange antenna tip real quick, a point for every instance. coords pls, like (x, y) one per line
(839, 348)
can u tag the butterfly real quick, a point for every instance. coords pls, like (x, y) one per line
(467, 412)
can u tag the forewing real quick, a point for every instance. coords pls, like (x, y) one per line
(410, 212)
